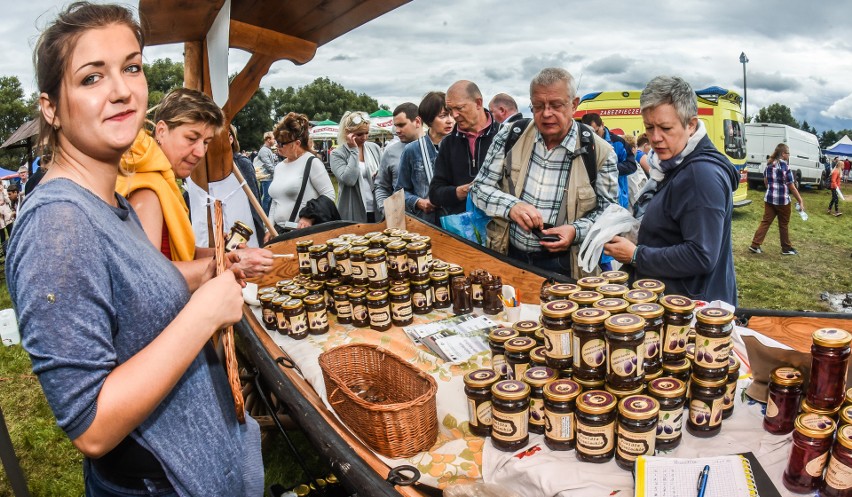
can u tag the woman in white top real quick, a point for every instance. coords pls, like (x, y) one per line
(292, 134)
(355, 163)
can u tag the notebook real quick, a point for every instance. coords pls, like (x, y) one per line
(730, 476)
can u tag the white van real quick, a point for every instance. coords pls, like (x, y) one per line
(761, 140)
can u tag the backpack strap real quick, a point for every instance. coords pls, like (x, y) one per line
(306, 175)
(587, 152)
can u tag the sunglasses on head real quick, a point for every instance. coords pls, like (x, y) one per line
(359, 118)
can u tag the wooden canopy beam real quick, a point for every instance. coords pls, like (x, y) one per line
(279, 46)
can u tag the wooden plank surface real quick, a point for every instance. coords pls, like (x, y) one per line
(795, 331)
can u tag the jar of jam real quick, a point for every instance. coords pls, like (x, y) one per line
(538, 356)
(320, 266)
(586, 385)
(556, 323)
(637, 429)
(408, 237)
(612, 291)
(560, 403)
(653, 316)
(421, 295)
(537, 378)
(496, 342)
(677, 318)
(510, 411)
(342, 305)
(239, 234)
(612, 304)
(267, 313)
(492, 291)
(729, 399)
(428, 242)
(397, 260)
(342, 264)
(378, 308)
(596, 416)
(358, 301)
(330, 285)
(518, 355)
(439, 265)
(640, 296)
(376, 241)
(441, 289)
(297, 319)
(462, 299)
(782, 403)
(653, 376)
(400, 306)
(713, 329)
(617, 277)
(418, 260)
(455, 270)
(530, 328)
(477, 387)
(476, 278)
(316, 314)
(705, 406)
(591, 282)
(585, 298)
(377, 267)
(281, 325)
(561, 291)
(589, 361)
(809, 454)
(829, 362)
(838, 475)
(651, 285)
(620, 394)
(678, 369)
(302, 249)
(625, 344)
(314, 288)
(358, 261)
(671, 394)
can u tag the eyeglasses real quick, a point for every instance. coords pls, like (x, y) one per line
(287, 142)
(359, 118)
(553, 106)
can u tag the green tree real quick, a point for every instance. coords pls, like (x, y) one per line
(15, 110)
(253, 120)
(776, 113)
(807, 128)
(163, 76)
(828, 138)
(319, 100)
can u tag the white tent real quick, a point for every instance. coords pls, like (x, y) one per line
(843, 148)
(325, 132)
(381, 127)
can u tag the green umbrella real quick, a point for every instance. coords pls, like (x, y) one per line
(327, 122)
(382, 113)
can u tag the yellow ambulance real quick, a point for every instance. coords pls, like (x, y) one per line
(717, 107)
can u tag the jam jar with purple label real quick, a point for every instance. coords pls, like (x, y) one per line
(653, 315)
(496, 342)
(518, 355)
(510, 411)
(589, 360)
(671, 394)
(678, 319)
(713, 327)
(557, 327)
(625, 351)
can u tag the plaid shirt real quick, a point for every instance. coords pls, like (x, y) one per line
(777, 175)
(543, 188)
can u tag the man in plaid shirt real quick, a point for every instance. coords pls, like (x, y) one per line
(552, 144)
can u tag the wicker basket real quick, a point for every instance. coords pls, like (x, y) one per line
(406, 423)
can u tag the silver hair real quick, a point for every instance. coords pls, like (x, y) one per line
(670, 90)
(552, 75)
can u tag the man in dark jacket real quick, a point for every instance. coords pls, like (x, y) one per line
(463, 151)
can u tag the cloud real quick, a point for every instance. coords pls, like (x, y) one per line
(840, 109)
(532, 64)
(611, 64)
(499, 73)
(771, 82)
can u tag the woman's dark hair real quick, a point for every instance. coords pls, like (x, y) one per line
(293, 127)
(57, 42)
(187, 106)
(432, 104)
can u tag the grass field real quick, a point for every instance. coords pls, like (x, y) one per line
(770, 280)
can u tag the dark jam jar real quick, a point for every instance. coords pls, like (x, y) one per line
(400, 305)
(538, 356)
(671, 394)
(418, 260)
(705, 407)
(510, 411)
(591, 282)
(518, 355)
(358, 261)
(729, 399)
(612, 291)
(441, 289)
(530, 328)
(658, 287)
(677, 318)
(809, 453)
(637, 429)
(653, 316)
(496, 342)
(830, 360)
(537, 378)
(342, 304)
(838, 476)
(492, 291)
(559, 406)
(267, 310)
(556, 323)
(476, 278)
(428, 242)
(421, 295)
(589, 361)
(297, 319)
(477, 387)
(616, 277)
(330, 285)
(613, 305)
(782, 403)
(596, 416)
(397, 260)
(377, 268)
(302, 249)
(320, 266)
(625, 344)
(561, 291)
(316, 314)
(279, 317)
(342, 264)
(378, 308)
(358, 300)
(640, 296)
(585, 298)
(462, 300)
(713, 327)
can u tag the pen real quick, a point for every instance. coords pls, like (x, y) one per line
(702, 480)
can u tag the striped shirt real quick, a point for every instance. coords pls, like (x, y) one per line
(543, 188)
(778, 175)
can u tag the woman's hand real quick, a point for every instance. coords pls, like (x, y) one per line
(621, 249)
(304, 222)
(218, 301)
(350, 140)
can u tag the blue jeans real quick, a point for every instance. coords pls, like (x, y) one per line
(97, 486)
(265, 199)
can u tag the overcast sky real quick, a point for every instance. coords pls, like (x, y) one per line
(800, 52)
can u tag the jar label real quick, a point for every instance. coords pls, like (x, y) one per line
(838, 475)
(401, 310)
(536, 411)
(716, 412)
(815, 466)
(557, 343)
(344, 308)
(298, 323)
(280, 320)
(359, 312)
(519, 369)
(442, 294)
(498, 364)
(380, 317)
(624, 362)
(377, 271)
(675, 338)
(631, 445)
(476, 291)
(268, 316)
(344, 267)
(730, 392)
(712, 352)
(359, 269)
(593, 353)
(771, 408)
(471, 412)
(421, 264)
(652, 345)
(483, 413)
(304, 260)
(669, 424)
(317, 319)
(319, 265)
(411, 265)
(559, 427)
(595, 440)
(399, 263)
(421, 299)
(703, 414)
(233, 241)
(509, 427)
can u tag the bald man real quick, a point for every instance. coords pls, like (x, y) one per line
(504, 108)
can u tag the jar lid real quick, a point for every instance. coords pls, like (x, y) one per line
(676, 366)
(304, 243)
(377, 295)
(359, 249)
(267, 297)
(846, 415)
(537, 355)
(292, 286)
(371, 234)
(318, 248)
(415, 246)
(423, 238)
(456, 270)
(481, 378)
(314, 299)
(647, 310)
(815, 410)
(703, 382)
(527, 327)
(596, 402)
(500, 335)
(292, 304)
(620, 394)
(409, 236)
(313, 287)
(271, 289)
(844, 436)
(539, 376)
(640, 296)
(624, 323)
(561, 390)
(612, 290)
(831, 337)
(439, 275)
(814, 425)
(787, 375)
(405, 283)
(639, 407)
(563, 289)
(376, 252)
(300, 293)
(666, 387)
(302, 490)
(399, 290)
(653, 376)
(333, 241)
(655, 286)
(390, 231)
(342, 290)
(591, 282)
(558, 308)
(396, 245)
(590, 315)
(510, 390)
(357, 292)
(690, 351)
(280, 299)
(733, 363)
(587, 297)
(615, 276)
(440, 265)
(677, 303)
(614, 305)
(589, 384)
(714, 315)
(360, 242)
(424, 281)
(519, 344)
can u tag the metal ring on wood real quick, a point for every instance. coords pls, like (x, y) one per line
(396, 476)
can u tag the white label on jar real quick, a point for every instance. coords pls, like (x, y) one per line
(471, 412)
(234, 240)
(422, 299)
(509, 427)
(575, 361)
(344, 267)
(675, 338)
(498, 364)
(594, 352)
(712, 352)
(815, 466)
(380, 317)
(442, 294)
(268, 316)
(476, 291)
(631, 445)
(423, 264)
(624, 362)
(377, 271)
(281, 320)
(411, 265)
(298, 323)
(559, 427)
(401, 310)
(318, 319)
(359, 312)
(716, 414)
(595, 440)
(359, 269)
(669, 424)
(557, 343)
(322, 265)
(838, 475)
(344, 309)
(537, 411)
(652, 344)
(304, 260)
(730, 391)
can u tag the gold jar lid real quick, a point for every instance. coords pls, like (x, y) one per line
(612, 290)
(620, 394)
(405, 283)
(359, 250)
(591, 282)
(439, 276)
(300, 293)
(266, 297)
(647, 310)
(342, 249)
(653, 376)
(561, 390)
(655, 286)
(733, 363)
(390, 231)
(333, 241)
(831, 413)
(371, 234)
(590, 315)
(331, 479)
(831, 337)
(280, 300)
(640, 296)
(409, 237)
(639, 407)
(677, 303)
(377, 295)
(313, 287)
(292, 304)
(396, 245)
(439, 265)
(481, 378)
(500, 335)
(714, 315)
(585, 297)
(557, 309)
(539, 376)
(342, 290)
(455, 270)
(268, 289)
(527, 327)
(676, 366)
(844, 436)
(304, 243)
(519, 344)
(317, 248)
(563, 290)
(587, 385)
(399, 290)
(848, 397)
(845, 415)
(360, 242)
(373, 253)
(786, 375)
(614, 305)
(357, 292)
(423, 239)
(814, 425)
(624, 323)
(615, 276)
(333, 283)
(314, 299)
(302, 490)
(702, 382)
(596, 402)
(415, 246)
(538, 355)
(424, 281)
(666, 387)
(510, 390)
